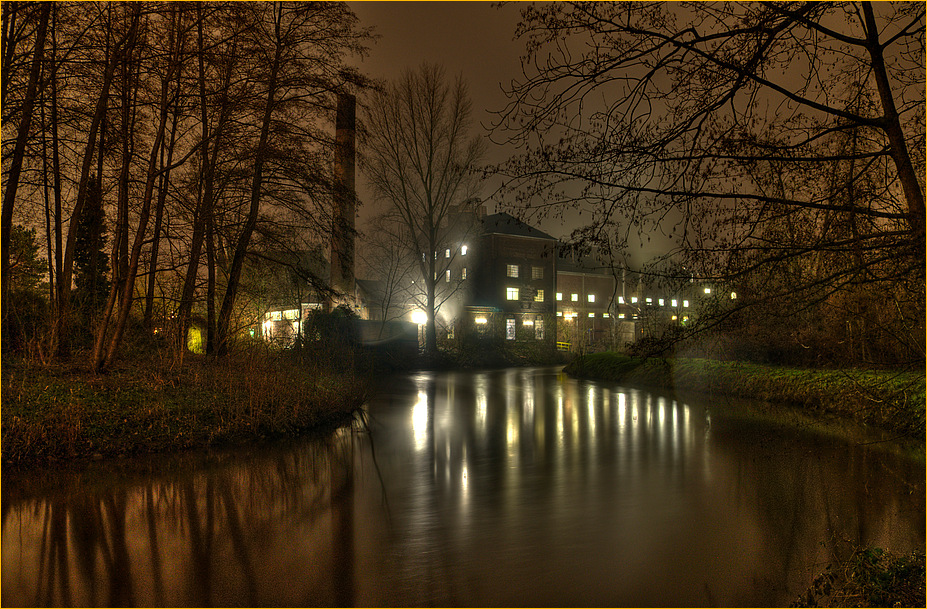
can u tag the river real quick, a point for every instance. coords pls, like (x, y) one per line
(517, 487)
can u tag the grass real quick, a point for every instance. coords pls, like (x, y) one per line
(890, 400)
(55, 414)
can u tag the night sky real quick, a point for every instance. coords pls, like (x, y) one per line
(475, 39)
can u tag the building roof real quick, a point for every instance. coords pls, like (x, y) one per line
(505, 224)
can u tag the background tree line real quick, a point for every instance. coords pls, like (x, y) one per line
(780, 145)
(152, 150)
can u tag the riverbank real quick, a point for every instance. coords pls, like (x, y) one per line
(57, 414)
(891, 400)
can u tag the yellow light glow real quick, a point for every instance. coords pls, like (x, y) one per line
(480, 320)
(528, 322)
(419, 317)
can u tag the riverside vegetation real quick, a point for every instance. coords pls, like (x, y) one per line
(890, 400)
(54, 414)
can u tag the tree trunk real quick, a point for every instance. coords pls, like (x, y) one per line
(892, 126)
(244, 239)
(19, 150)
(67, 267)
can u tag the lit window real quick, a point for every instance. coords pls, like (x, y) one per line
(650, 301)
(661, 302)
(447, 276)
(559, 313)
(574, 297)
(559, 295)
(592, 315)
(674, 302)
(511, 293)
(605, 315)
(539, 297)
(480, 320)
(674, 318)
(510, 329)
(685, 303)
(539, 329)
(291, 314)
(463, 273)
(527, 322)
(685, 318)
(621, 300)
(276, 315)
(708, 290)
(463, 250)
(511, 270)
(634, 300)
(621, 316)
(591, 297)
(537, 272)
(733, 295)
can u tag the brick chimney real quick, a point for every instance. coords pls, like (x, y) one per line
(343, 233)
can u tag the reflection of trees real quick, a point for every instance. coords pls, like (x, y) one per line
(798, 487)
(191, 537)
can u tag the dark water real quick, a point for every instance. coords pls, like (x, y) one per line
(512, 487)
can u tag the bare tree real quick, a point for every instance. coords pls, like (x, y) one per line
(760, 135)
(420, 160)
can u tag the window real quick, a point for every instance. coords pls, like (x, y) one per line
(559, 295)
(685, 303)
(621, 300)
(463, 273)
(511, 270)
(510, 329)
(559, 313)
(276, 315)
(539, 297)
(574, 297)
(463, 250)
(539, 329)
(621, 316)
(661, 302)
(511, 293)
(450, 332)
(605, 316)
(291, 314)
(591, 298)
(674, 302)
(447, 253)
(708, 290)
(447, 276)
(537, 272)
(592, 315)
(634, 300)
(650, 301)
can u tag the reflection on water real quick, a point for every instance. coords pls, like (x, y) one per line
(511, 487)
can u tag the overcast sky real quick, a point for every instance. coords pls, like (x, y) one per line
(475, 39)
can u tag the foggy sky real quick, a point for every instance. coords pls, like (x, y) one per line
(475, 39)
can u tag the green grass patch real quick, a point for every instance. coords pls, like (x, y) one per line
(57, 414)
(890, 400)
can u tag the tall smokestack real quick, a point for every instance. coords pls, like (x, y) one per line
(342, 254)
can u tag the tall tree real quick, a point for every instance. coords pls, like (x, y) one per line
(732, 125)
(421, 161)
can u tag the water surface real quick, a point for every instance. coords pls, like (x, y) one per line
(511, 487)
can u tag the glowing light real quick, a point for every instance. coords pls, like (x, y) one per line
(419, 317)
(708, 290)
(528, 322)
(480, 320)
(733, 295)
(463, 250)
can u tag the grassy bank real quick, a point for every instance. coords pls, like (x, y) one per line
(57, 414)
(893, 401)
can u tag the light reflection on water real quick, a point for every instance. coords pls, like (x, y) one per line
(511, 487)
